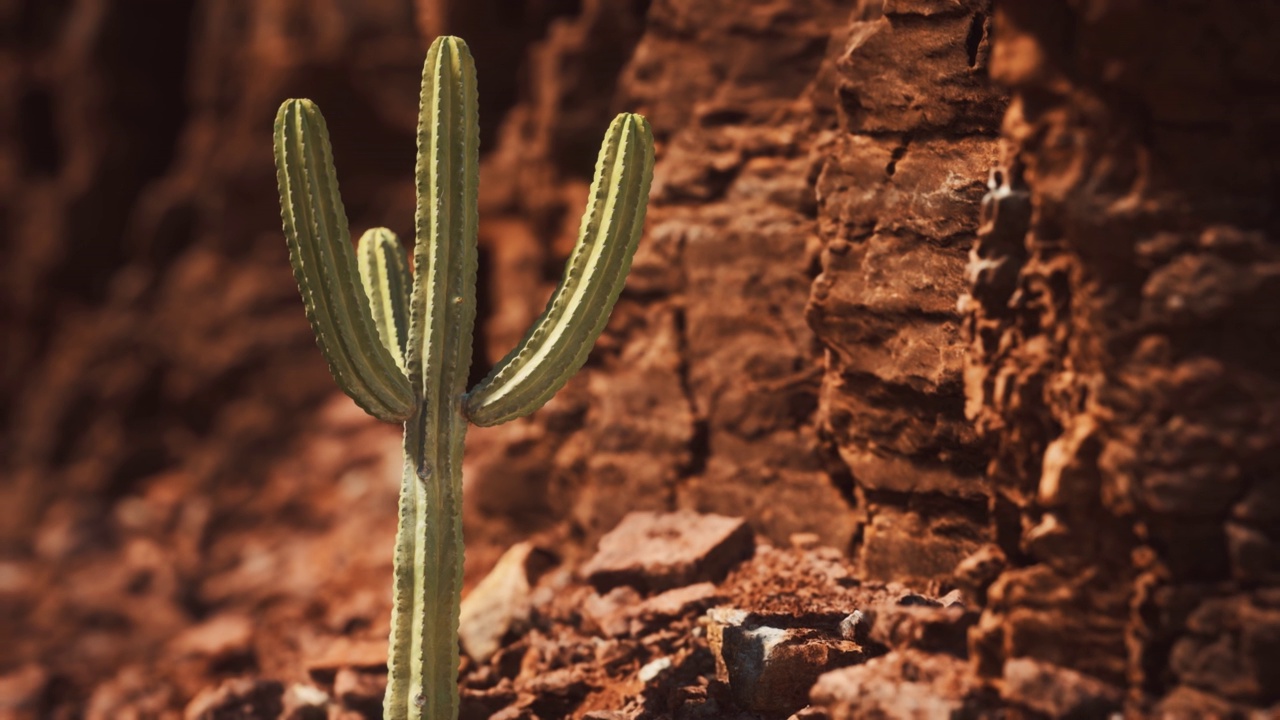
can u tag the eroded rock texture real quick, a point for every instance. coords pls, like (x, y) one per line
(916, 130)
(707, 391)
(1123, 353)
(790, 150)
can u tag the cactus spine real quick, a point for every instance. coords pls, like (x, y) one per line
(405, 357)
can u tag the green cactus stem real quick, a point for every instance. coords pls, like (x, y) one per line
(404, 357)
(385, 276)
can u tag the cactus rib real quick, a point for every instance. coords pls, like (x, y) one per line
(385, 276)
(558, 343)
(324, 265)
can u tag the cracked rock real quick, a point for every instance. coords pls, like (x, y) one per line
(770, 669)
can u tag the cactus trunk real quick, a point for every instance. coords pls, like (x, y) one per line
(423, 661)
(423, 666)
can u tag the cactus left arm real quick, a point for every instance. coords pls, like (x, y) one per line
(315, 225)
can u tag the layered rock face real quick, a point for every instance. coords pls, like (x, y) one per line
(1123, 357)
(790, 348)
(917, 121)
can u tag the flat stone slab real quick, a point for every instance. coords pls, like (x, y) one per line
(653, 551)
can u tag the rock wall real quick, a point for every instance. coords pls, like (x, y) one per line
(902, 173)
(1123, 358)
(789, 347)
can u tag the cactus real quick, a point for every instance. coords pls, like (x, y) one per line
(404, 357)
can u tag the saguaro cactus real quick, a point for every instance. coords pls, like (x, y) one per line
(405, 358)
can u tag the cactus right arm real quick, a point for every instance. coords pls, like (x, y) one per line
(558, 343)
(324, 265)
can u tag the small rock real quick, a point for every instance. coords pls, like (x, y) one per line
(1185, 702)
(359, 690)
(610, 614)
(15, 578)
(612, 655)
(346, 652)
(908, 684)
(237, 699)
(514, 712)
(621, 611)
(917, 601)
(305, 702)
(132, 693)
(856, 626)
(483, 704)
(1058, 691)
(500, 603)
(677, 602)
(652, 670)
(770, 669)
(554, 693)
(567, 682)
(659, 551)
(925, 627)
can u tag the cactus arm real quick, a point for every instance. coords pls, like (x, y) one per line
(423, 663)
(324, 265)
(558, 343)
(385, 275)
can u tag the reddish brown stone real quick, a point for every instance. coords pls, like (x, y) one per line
(500, 603)
(654, 552)
(1056, 691)
(931, 629)
(907, 684)
(770, 669)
